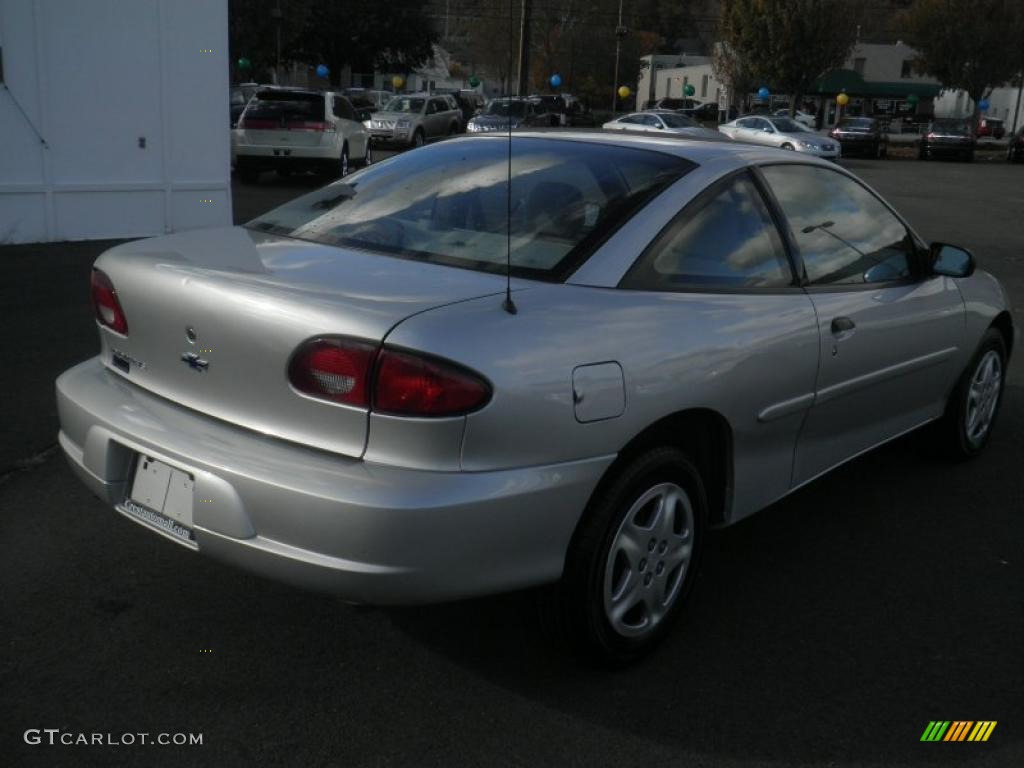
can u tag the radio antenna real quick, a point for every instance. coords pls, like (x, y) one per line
(508, 305)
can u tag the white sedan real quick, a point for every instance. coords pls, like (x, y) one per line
(661, 121)
(780, 132)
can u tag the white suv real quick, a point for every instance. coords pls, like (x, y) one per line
(293, 129)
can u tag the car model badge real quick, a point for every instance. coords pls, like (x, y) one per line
(195, 362)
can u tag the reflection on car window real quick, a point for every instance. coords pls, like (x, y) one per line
(845, 234)
(404, 104)
(729, 242)
(679, 121)
(450, 204)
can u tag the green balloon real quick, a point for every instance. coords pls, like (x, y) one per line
(474, 81)
(689, 90)
(244, 63)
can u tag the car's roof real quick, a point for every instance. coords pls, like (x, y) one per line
(698, 150)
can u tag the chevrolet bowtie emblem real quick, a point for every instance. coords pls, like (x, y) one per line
(195, 362)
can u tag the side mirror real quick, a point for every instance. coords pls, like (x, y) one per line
(951, 260)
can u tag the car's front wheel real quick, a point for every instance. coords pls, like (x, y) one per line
(633, 560)
(418, 139)
(788, 146)
(974, 404)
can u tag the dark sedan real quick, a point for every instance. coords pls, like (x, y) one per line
(947, 137)
(861, 136)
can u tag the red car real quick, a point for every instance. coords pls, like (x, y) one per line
(991, 126)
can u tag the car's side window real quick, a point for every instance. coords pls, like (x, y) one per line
(743, 123)
(343, 109)
(845, 235)
(726, 240)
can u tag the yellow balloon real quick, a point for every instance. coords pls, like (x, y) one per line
(624, 91)
(397, 81)
(842, 99)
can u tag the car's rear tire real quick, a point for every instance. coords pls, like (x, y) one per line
(974, 404)
(248, 176)
(368, 157)
(633, 559)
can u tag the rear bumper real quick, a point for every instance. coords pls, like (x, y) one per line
(262, 158)
(369, 533)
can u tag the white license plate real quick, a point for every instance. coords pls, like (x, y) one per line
(161, 497)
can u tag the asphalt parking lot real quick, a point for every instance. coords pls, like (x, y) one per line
(826, 630)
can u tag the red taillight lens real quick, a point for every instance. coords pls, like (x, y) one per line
(104, 302)
(410, 385)
(309, 125)
(334, 369)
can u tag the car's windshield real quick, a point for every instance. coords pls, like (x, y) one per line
(956, 127)
(504, 108)
(673, 120)
(856, 123)
(785, 125)
(404, 104)
(449, 204)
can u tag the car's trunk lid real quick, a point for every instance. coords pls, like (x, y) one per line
(249, 300)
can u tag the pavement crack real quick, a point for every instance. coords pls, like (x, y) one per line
(27, 465)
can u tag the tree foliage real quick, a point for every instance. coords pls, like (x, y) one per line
(787, 44)
(969, 45)
(361, 34)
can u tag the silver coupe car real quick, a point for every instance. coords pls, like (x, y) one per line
(344, 394)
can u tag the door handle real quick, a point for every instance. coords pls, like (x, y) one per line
(842, 325)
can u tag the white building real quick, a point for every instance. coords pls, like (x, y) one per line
(113, 117)
(878, 78)
(663, 76)
(1002, 103)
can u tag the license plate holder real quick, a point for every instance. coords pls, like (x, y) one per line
(161, 497)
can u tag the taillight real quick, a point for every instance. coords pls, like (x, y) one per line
(335, 369)
(105, 304)
(310, 125)
(407, 384)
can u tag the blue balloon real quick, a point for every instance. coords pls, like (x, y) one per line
(322, 71)
(556, 80)
(763, 92)
(983, 105)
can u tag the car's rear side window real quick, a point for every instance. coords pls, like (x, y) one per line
(450, 204)
(727, 240)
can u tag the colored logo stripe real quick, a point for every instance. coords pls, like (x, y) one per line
(958, 730)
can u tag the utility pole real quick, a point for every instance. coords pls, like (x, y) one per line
(523, 81)
(277, 16)
(1016, 112)
(620, 32)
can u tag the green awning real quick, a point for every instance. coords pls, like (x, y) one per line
(840, 80)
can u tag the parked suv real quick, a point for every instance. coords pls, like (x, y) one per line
(413, 119)
(293, 129)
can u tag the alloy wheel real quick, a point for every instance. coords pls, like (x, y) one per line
(648, 560)
(983, 396)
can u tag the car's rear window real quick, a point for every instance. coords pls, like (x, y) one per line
(274, 105)
(449, 203)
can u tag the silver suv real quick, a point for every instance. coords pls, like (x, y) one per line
(415, 118)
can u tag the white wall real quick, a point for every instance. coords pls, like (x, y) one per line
(1002, 103)
(98, 78)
